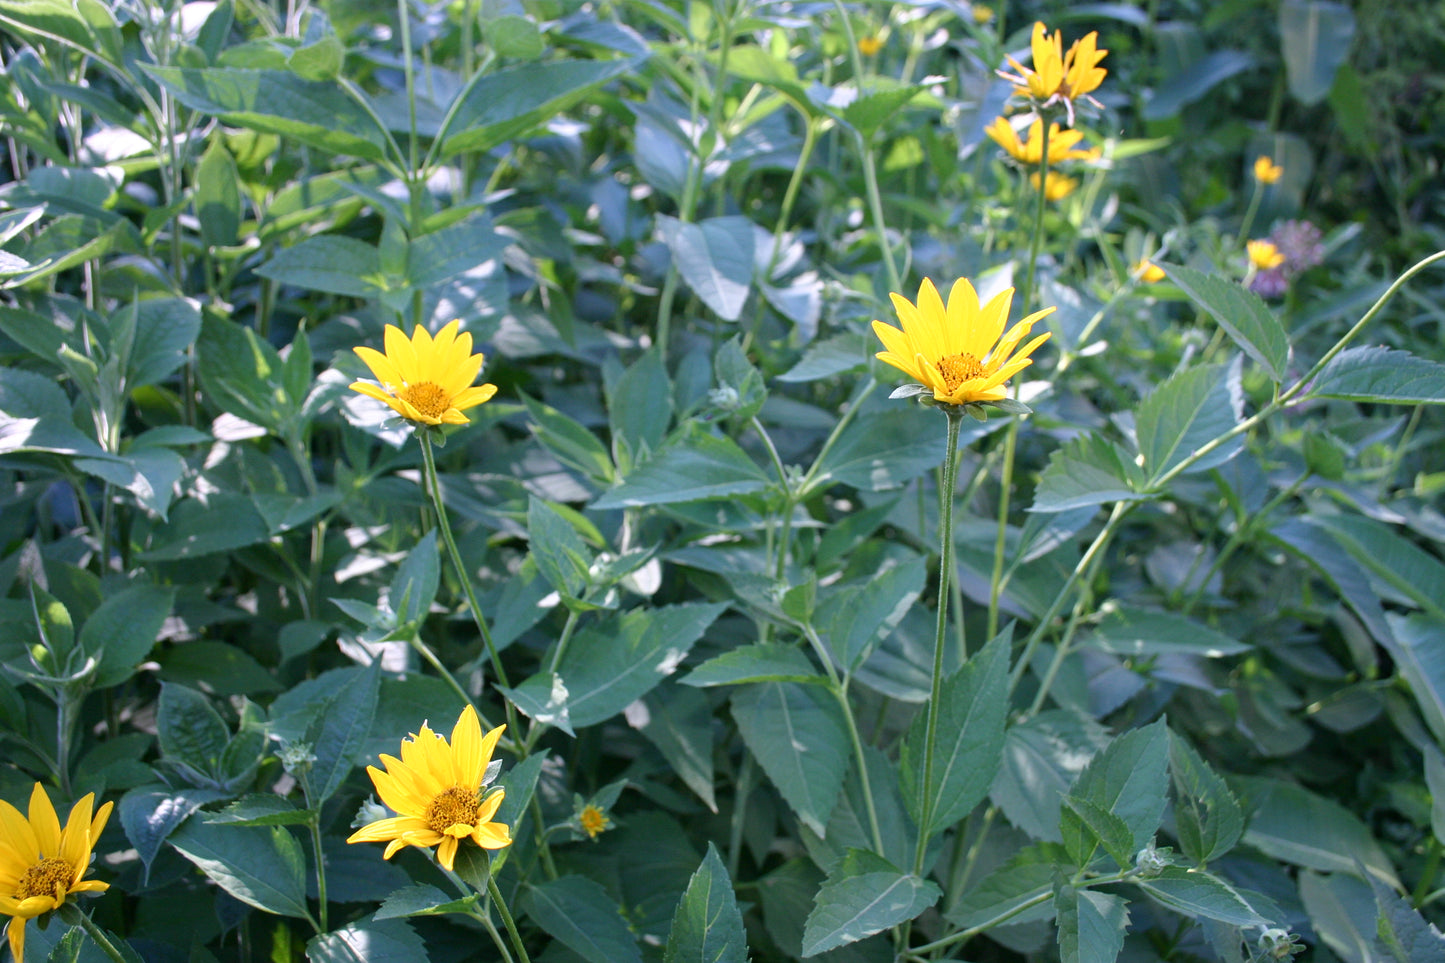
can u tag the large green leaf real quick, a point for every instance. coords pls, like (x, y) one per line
(678, 721)
(715, 258)
(639, 405)
(1292, 824)
(368, 941)
(121, 632)
(1404, 934)
(883, 451)
(314, 113)
(763, 662)
(577, 912)
(707, 927)
(165, 330)
(1201, 895)
(1025, 879)
(1208, 819)
(260, 866)
(798, 735)
(1315, 36)
(1130, 779)
(1192, 408)
(1381, 375)
(1194, 82)
(1419, 652)
(223, 522)
(1239, 311)
(968, 741)
(331, 263)
(854, 618)
(1041, 759)
(696, 465)
(865, 895)
(1091, 925)
(1087, 470)
(1139, 632)
(340, 732)
(1396, 561)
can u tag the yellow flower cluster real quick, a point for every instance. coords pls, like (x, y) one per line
(1058, 78)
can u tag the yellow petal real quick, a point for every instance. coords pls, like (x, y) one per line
(492, 836)
(44, 821)
(16, 932)
(447, 852)
(393, 827)
(401, 354)
(474, 396)
(991, 319)
(75, 840)
(461, 377)
(489, 806)
(372, 391)
(466, 756)
(380, 366)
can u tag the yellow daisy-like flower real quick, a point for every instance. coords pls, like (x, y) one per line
(438, 791)
(593, 820)
(41, 864)
(1058, 186)
(1264, 255)
(1266, 171)
(1058, 77)
(957, 350)
(869, 46)
(1147, 271)
(1031, 150)
(426, 379)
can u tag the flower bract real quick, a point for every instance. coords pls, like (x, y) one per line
(959, 350)
(1058, 77)
(438, 791)
(426, 379)
(1031, 149)
(40, 863)
(1264, 255)
(1266, 171)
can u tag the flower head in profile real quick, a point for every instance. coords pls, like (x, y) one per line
(1147, 271)
(1031, 149)
(1057, 187)
(426, 379)
(960, 350)
(1058, 77)
(438, 789)
(1266, 171)
(1263, 255)
(41, 864)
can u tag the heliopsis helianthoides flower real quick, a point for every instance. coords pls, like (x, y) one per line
(438, 789)
(1057, 187)
(40, 863)
(1264, 255)
(1147, 271)
(956, 350)
(1031, 150)
(426, 379)
(1058, 77)
(1266, 171)
(870, 45)
(593, 820)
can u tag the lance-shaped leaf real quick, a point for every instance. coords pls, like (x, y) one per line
(1241, 313)
(707, 927)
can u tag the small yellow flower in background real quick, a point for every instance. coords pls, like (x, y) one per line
(593, 820)
(982, 14)
(1266, 171)
(1147, 271)
(869, 46)
(1031, 150)
(438, 790)
(1264, 255)
(1058, 77)
(957, 350)
(41, 864)
(426, 379)
(1059, 186)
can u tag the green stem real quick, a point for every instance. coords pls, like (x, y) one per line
(314, 824)
(1036, 240)
(562, 642)
(506, 915)
(1249, 213)
(790, 195)
(97, 935)
(789, 501)
(945, 575)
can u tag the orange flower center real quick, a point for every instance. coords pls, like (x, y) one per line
(454, 806)
(593, 820)
(958, 368)
(426, 397)
(49, 877)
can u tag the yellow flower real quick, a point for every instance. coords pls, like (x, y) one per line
(41, 864)
(869, 46)
(1264, 255)
(1059, 186)
(1058, 77)
(593, 820)
(956, 350)
(1147, 271)
(426, 379)
(438, 791)
(1266, 171)
(1031, 151)
(982, 14)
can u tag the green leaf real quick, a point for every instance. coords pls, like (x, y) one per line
(505, 104)
(224, 522)
(240, 373)
(1194, 82)
(55, 18)
(331, 263)
(1086, 826)
(340, 732)
(1404, 934)
(1087, 470)
(380, 941)
(1315, 36)
(1200, 895)
(1292, 824)
(694, 466)
(1091, 925)
(1383, 376)
(1419, 652)
(1241, 313)
(871, 111)
(121, 632)
(767, 662)
(715, 258)
(1189, 410)
(165, 330)
(260, 866)
(422, 900)
(414, 586)
(1343, 913)
(855, 618)
(149, 815)
(35, 416)
(226, 669)
(1042, 757)
(968, 742)
(1396, 561)
(707, 926)
(514, 37)
(1208, 819)
(260, 809)
(798, 735)
(678, 721)
(867, 896)
(639, 406)
(317, 114)
(1435, 783)
(561, 555)
(611, 665)
(577, 912)
(568, 440)
(189, 729)
(218, 196)
(1138, 632)
(1130, 779)
(1025, 879)
(830, 356)
(461, 246)
(885, 451)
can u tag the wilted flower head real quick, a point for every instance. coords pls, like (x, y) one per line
(426, 379)
(1058, 77)
(1031, 150)
(1264, 255)
(1266, 171)
(41, 864)
(957, 350)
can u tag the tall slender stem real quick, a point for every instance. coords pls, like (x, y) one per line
(945, 575)
(506, 915)
(75, 916)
